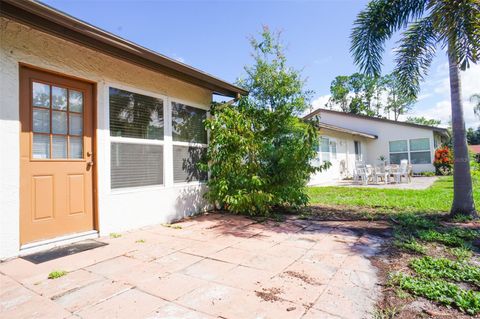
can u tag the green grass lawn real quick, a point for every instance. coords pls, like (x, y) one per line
(437, 198)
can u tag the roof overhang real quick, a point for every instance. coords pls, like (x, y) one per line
(57, 23)
(317, 113)
(346, 130)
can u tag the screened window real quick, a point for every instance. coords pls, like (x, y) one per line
(420, 151)
(398, 151)
(137, 130)
(189, 142)
(358, 150)
(135, 115)
(134, 165)
(185, 163)
(333, 145)
(325, 148)
(187, 124)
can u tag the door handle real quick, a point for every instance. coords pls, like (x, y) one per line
(89, 164)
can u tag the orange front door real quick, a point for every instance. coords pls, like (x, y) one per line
(56, 156)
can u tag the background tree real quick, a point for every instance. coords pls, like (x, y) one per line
(260, 151)
(369, 95)
(423, 121)
(473, 136)
(448, 24)
(475, 99)
(398, 103)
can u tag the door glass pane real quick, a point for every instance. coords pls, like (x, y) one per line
(59, 147)
(41, 146)
(76, 101)
(41, 95)
(76, 147)
(59, 98)
(41, 121)
(59, 122)
(76, 124)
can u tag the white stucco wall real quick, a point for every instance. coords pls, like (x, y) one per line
(386, 132)
(345, 153)
(118, 210)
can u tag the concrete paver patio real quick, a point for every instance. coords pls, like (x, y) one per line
(212, 266)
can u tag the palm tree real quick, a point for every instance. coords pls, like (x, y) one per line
(428, 24)
(475, 99)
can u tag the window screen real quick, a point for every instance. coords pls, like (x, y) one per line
(334, 150)
(185, 160)
(134, 165)
(420, 151)
(325, 148)
(187, 124)
(398, 146)
(420, 144)
(398, 151)
(135, 115)
(396, 158)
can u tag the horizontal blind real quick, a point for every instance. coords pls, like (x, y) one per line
(135, 115)
(134, 165)
(187, 124)
(185, 160)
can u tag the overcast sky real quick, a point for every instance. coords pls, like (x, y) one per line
(213, 36)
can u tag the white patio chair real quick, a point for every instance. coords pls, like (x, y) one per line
(380, 174)
(358, 171)
(365, 174)
(401, 172)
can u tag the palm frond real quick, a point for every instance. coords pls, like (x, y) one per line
(458, 24)
(414, 55)
(375, 25)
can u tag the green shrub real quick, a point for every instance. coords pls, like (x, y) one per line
(260, 152)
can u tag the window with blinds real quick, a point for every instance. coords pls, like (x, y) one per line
(187, 124)
(135, 115)
(134, 165)
(137, 130)
(185, 163)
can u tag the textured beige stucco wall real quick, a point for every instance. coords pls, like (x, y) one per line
(23, 44)
(19, 43)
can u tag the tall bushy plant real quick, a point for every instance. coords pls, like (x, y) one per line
(260, 152)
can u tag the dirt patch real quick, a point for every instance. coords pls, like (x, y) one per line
(303, 277)
(269, 294)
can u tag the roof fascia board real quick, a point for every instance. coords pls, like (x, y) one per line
(60, 25)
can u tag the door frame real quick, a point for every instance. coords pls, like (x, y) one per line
(94, 116)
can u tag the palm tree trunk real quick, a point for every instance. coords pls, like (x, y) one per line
(462, 180)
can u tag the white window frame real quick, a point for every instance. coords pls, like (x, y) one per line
(331, 140)
(429, 150)
(409, 152)
(178, 143)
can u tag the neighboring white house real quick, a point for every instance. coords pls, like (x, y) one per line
(98, 134)
(346, 138)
